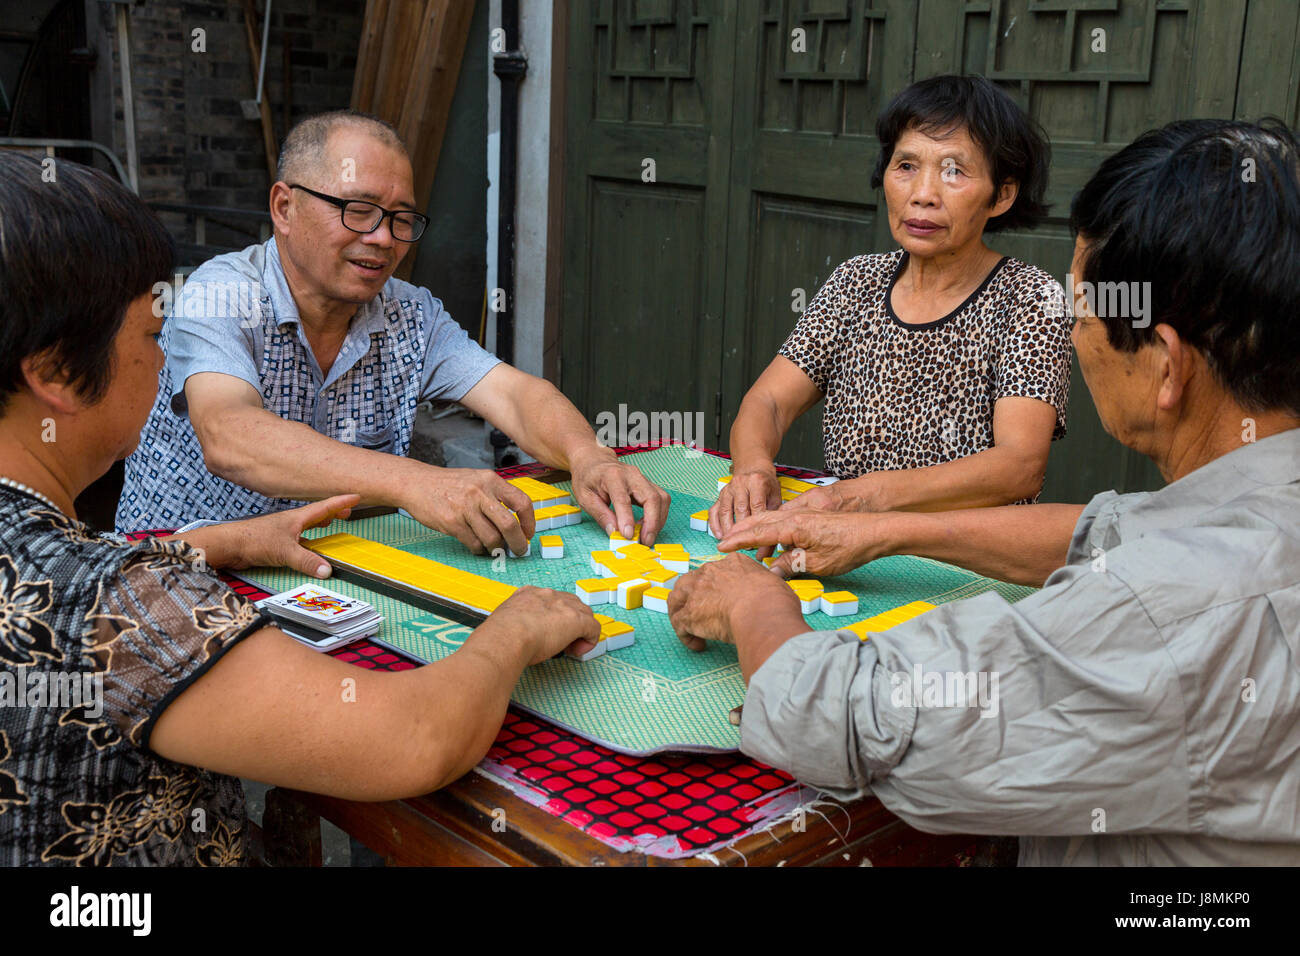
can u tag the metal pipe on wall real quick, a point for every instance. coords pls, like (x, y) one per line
(510, 67)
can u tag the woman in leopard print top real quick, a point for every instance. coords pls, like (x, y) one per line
(945, 366)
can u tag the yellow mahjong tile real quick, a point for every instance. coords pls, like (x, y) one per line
(616, 539)
(660, 576)
(636, 551)
(797, 485)
(806, 585)
(887, 619)
(631, 592)
(615, 628)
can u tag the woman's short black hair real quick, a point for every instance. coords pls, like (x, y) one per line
(1014, 145)
(76, 247)
(1208, 212)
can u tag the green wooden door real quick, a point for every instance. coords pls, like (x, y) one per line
(647, 148)
(814, 76)
(769, 134)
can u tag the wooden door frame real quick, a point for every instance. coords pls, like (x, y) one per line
(553, 328)
(713, 164)
(837, 154)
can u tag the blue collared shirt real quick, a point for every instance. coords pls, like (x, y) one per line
(236, 315)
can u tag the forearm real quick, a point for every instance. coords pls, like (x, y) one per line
(758, 632)
(756, 435)
(1023, 544)
(221, 546)
(545, 424)
(259, 450)
(995, 476)
(464, 702)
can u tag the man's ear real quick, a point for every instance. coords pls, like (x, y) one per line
(48, 384)
(1176, 364)
(1005, 198)
(281, 198)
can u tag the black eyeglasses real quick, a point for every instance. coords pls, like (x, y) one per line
(364, 217)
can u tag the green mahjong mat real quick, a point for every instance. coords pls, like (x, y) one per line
(655, 695)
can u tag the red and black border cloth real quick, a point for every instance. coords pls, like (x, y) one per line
(670, 805)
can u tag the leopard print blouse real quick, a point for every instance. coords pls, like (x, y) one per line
(910, 396)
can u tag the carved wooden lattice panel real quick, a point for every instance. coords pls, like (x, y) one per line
(816, 59)
(760, 115)
(647, 56)
(1085, 68)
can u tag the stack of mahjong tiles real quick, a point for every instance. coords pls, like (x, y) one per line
(884, 621)
(791, 488)
(633, 575)
(552, 507)
(814, 597)
(422, 576)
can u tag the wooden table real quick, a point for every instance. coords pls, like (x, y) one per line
(455, 827)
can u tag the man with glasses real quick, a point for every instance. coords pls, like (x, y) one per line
(294, 368)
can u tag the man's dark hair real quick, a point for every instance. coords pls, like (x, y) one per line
(1208, 212)
(1014, 145)
(74, 253)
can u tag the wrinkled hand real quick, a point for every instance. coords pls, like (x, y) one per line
(605, 483)
(466, 503)
(274, 540)
(553, 620)
(704, 604)
(748, 493)
(835, 497)
(817, 543)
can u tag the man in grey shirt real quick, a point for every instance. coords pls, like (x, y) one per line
(1144, 706)
(294, 369)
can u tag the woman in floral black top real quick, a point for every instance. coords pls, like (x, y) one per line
(134, 686)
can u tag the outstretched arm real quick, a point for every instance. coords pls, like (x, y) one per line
(780, 395)
(547, 426)
(1019, 543)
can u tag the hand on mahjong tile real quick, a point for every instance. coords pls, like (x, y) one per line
(816, 543)
(467, 503)
(748, 493)
(722, 600)
(841, 496)
(551, 621)
(270, 541)
(607, 489)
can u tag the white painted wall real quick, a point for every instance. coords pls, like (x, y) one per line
(532, 199)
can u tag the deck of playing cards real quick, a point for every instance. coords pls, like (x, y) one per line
(322, 618)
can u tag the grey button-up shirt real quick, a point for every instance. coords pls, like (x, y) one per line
(1142, 708)
(236, 315)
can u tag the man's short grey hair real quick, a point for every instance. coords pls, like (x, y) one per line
(304, 147)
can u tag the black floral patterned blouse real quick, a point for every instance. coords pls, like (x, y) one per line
(97, 637)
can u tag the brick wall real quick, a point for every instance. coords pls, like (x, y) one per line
(193, 141)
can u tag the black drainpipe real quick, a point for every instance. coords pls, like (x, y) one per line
(510, 68)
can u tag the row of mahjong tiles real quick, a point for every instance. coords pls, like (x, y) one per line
(630, 574)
